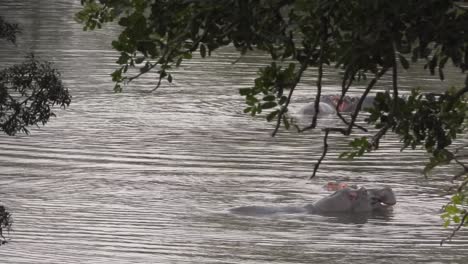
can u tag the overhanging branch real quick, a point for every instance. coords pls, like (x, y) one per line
(363, 97)
(456, 229)
(325, 147)
(288, 100)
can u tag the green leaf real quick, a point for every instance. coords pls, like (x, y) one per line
(145, 68)
(245, 91)
(139, 60)
(404, 62)
(447, 223)
(123, 59)
(269, 98)
(272, 115)
(282, 100)
(451, 209)
(118, 88)
(269, 105)
(344, 155)
(117, 75)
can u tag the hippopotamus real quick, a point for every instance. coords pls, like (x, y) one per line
(328, 105)
(346, 200)
(384, 194)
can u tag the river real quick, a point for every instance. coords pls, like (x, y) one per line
(140, 177)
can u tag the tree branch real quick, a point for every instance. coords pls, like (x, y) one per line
(344, 89)
(288, 100)
(456, 229)
(323, 39)
(319, 91)
(325, 147)
(364, 95)
(376, 138)
(324, 153)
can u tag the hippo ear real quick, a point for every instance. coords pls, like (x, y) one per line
(343, 106)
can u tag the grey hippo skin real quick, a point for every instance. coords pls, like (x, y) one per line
(346, 200)
(328, 105)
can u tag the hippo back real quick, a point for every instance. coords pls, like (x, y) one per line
(345, 200)
(339, 201)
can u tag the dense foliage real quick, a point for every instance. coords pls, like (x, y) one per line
(365, 39)
(5, 223)
(27, 93)
(8, 31)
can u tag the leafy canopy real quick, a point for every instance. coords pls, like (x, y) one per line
(28, 90)
(365, 39)
(5, 223)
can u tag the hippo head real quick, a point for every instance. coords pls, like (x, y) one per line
(382, 197)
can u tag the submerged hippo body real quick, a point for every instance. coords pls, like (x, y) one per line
(329, 103)
(347, 200)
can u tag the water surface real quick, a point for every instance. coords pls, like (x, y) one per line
(142, 177)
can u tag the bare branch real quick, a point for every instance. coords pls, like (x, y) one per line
(320, 72)
(324, 153)
(376, 138)
(319, 92)
(325, 147)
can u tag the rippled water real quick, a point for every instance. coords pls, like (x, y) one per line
(144, 177)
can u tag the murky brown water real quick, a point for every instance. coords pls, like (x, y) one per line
(149, 178)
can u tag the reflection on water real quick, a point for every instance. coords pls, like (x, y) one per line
(150, 178)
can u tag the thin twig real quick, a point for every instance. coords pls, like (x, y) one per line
(462, 186)
(157, 85)
(458, 175)
(325, 147)
(344, 89)
(319, 91)
(456, 159)
(324, 153)
(465, 168)
(456, 229)
(323, 39)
